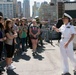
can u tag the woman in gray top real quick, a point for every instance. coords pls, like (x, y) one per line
(10, 35)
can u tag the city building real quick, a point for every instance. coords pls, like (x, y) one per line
(6, 0)
(63, 0)
(54, 8)
(19, 9)
(44, 11)
(70, 8)
(35, 9)
(6, 7)
(58, 8)
(15, 8)
(61, 9)
(66, 0)
(26, 8)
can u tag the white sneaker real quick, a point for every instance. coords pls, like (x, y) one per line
(13, 66)
(23, 53)
(10, 67)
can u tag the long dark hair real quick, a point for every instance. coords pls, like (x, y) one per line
(1, 25)
(7, 24)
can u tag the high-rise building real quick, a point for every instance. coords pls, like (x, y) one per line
(63, 0)
(61, 9)
(70, 8)
(44, 11)
(19, 9)
(35, 9)
(6, 7)
(54, 8)
(66, 0)
(15, 8)
(26, 8)
(6, 0)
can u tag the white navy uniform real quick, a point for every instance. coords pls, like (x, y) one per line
(66, 31)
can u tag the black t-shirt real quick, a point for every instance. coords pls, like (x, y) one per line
(59, 23)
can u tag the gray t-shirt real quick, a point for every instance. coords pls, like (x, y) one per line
(9, 41)
(34, 29)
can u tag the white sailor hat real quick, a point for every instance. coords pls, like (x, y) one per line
(67, 15)
(36, 16)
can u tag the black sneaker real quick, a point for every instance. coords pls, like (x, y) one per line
(3, 58)
(36, 53)
(33, 53)
(66, 74)
(74, 71)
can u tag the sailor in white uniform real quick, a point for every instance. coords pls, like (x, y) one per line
(66, 43)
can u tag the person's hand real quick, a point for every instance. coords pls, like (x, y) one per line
(15, 35)
(4, 38)
(1, 40)
(66, 45)
(54, 27)
(15, 42)
(34, 36)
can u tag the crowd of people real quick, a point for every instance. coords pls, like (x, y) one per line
(15, 33)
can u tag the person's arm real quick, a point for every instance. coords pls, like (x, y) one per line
(31, 32)
(73, 32)
(0, 40)
(20, 30)
(25, 30)
(67, 43)
(38, 31)
(56, 29)
(10, 36)
(71, 38)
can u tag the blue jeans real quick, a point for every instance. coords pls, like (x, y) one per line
(23, 41)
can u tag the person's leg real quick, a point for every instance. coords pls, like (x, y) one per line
(70, 54)
(40, 39)
(23, 42)
(33, 44)
(8, 61)
(30, 43)
(23, 45)
(64, 59)
(26, 40)
(10, 52)
(1, 49)
(36, 42)
(18, 42)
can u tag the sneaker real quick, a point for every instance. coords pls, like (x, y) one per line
(33, 53)
(10, 67)
(1, 72)
(3, 58)
(23, 53)
(66, 73)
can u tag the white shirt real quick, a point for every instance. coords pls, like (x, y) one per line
(67, 30)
